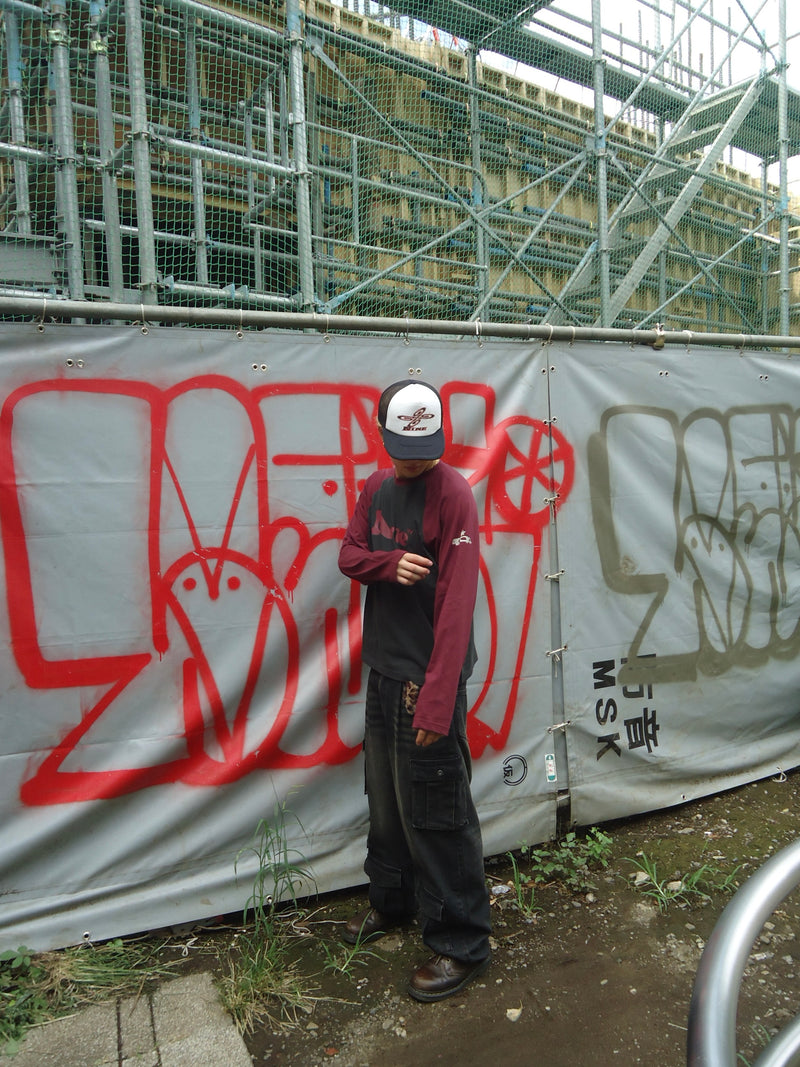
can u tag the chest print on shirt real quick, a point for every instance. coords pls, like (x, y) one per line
(381, 528)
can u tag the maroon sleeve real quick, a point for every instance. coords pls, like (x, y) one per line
(356, 559)
(456, 590)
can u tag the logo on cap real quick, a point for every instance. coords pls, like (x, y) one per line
(414, 421)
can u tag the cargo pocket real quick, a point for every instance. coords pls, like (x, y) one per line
(438, 794)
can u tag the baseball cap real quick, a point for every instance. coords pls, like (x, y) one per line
(410, 414)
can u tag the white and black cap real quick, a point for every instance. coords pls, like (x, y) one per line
(410, 415)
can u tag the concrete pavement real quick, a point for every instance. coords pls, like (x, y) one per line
(181, 1024)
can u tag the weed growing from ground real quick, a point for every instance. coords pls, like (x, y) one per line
(343, 959)
(568, 862)
(524, 890)
(264, 982)
(37, 987)
(23, 1001)
(695, 887)
(572, 859)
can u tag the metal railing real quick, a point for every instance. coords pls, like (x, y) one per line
(712, 1015)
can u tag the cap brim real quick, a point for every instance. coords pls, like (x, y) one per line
(414, 446)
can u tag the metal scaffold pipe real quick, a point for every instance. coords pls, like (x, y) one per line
(196, 135)
(22, 151)
(40, 310)
(300, 150)
(64, 136)
(31, 10)
(258, 266)
(17, 122)
(98, 46)
(601, 161)
(140, 135)
(783, 152)
(227, 18)
(477, 174)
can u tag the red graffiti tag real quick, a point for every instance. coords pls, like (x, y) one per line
(236, 557)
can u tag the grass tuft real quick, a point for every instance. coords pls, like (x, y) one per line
(697, 886)
(263, 983)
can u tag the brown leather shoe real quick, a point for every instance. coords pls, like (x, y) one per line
(441, 976)
(368, 926)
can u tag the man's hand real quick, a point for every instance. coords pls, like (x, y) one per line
(427, 737)
(411, 567)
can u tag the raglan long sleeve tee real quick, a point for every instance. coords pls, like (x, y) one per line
(421, 632)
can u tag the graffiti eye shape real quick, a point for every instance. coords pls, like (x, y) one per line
(189, 583)
(234, 582)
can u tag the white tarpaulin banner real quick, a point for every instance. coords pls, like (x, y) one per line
(682, 591)
(180, 656)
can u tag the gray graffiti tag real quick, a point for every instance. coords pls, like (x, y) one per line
(698, 520)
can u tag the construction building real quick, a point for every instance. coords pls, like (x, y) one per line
(450, 160)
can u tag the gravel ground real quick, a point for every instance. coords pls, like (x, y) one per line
(602, 976)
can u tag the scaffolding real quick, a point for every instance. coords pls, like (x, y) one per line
(480, 162)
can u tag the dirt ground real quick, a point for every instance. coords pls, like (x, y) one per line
(598, 978)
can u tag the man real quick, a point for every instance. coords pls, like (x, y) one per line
(413, 541)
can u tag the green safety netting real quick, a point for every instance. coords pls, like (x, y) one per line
(494, 161)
